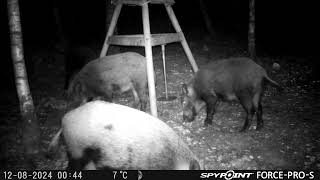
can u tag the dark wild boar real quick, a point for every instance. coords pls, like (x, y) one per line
(110, 75)
(229, 79)
(103, 135)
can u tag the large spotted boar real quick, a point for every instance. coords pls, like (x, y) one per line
(103, 135)
(229, 79)
(110, 75)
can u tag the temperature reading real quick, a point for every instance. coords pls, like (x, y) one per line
(114, 174)
(120, 174)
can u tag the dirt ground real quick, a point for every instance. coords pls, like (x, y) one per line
(289, 140)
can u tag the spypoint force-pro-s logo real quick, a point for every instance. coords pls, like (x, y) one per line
(227, 175)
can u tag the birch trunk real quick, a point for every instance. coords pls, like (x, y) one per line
(30, 133)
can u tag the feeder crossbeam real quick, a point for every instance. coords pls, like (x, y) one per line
(141, 2)
(138, 39)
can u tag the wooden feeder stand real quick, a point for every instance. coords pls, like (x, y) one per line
(147, 39)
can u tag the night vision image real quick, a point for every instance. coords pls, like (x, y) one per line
(159, 85)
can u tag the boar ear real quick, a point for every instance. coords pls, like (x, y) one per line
(184, 89)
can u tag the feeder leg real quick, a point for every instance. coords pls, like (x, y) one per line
(164, 69)
(148, 52)
(112, 26)
(184, 43)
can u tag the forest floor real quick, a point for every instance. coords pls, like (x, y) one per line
(290, 138)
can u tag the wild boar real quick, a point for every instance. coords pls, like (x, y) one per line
(111, 75)
(229, 79)
(103, 135)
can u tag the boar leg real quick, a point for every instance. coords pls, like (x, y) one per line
(143, 100)
(85, 161)
(245, 101)
(258, 109)
(211, 101)
(75, 164)
(140, 96)
(259, 116)
(137, 105)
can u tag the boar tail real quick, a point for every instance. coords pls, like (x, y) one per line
(274, 83)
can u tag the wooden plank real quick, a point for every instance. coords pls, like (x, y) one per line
(138, 39)
(127, 40)
(159, 39)
(141, 2)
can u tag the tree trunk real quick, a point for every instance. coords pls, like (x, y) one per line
(251, 31)
(31, 133)
(61, 41)
(206, 19)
